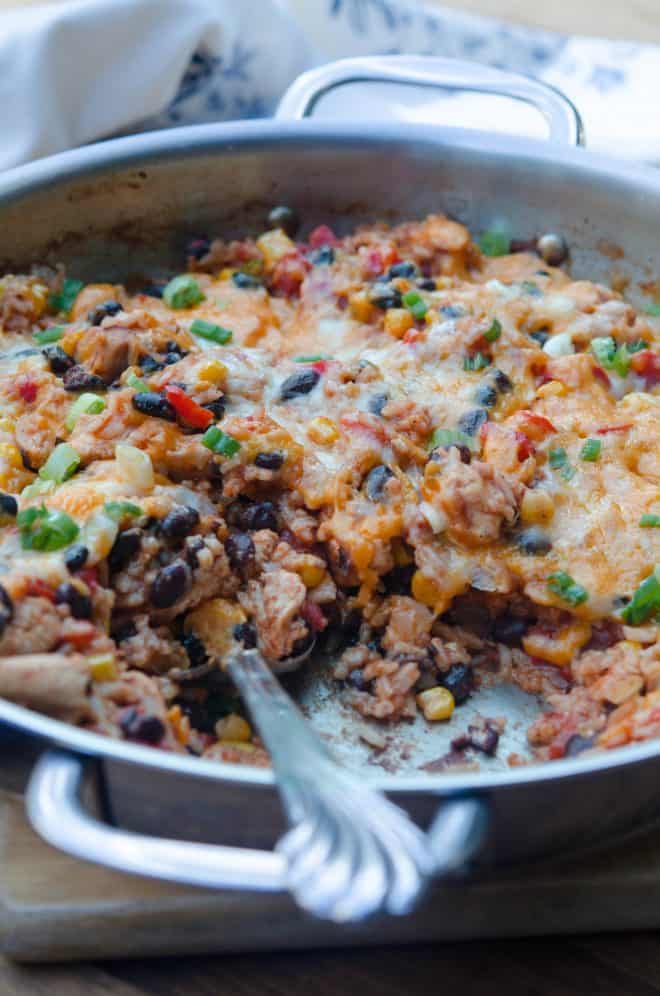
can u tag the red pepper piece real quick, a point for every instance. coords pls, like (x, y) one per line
(312, 615)
(647, 364)
(322, 236)
(39, 589)
(27, 389)
(188, 409)
(614, 428)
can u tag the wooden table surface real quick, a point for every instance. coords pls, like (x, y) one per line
(605, 965)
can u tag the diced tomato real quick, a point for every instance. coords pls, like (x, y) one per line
(414, 335)
(600, 375)
(187, 408)
(526, 447)
(356, 423)
(614, 428)
(39, 589)
(533, 425)
(322, 236)
(80, 634)
(27, 388)
(312, 615)
(289, 274)
(320, 366)
(89, 576)
(374, 264)
(647, 364)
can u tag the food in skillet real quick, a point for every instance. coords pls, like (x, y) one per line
(444, 458)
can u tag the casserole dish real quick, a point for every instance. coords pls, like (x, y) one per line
(124, 206)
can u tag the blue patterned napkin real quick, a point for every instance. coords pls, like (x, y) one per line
(75, 72)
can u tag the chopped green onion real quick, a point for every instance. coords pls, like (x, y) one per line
(494, 243)
(219, 442)
(415, 304)
(182, 292)
(621, 362)
(646, 600)
(604, 349)
(494, 332)
(653, 309)
(591, 450)
(476, 362)
(117, 510)
(52, 334)
(449, 437)
(45, 529)
(132, 380)
(637, 345)
(558, 460)
(311, 359)
(650, 521)
(85, 404)
(562, 584)
(38, 488)
(214, 333)
(61, 464)
(64, 299)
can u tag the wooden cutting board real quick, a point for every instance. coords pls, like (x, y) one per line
(53, 908)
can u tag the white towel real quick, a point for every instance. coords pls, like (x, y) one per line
(75, 72)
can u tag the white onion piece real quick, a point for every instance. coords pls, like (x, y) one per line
(135, 467)
(559, 345)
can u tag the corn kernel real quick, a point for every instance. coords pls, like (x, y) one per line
(425, 590)
(311, 575)
(360, 306)
(554, 388)
(11, 454)
(226, 273)
(7, 424)
(397, 321)
(436, 703)
(323, 431)
(233, 728)
(180, 724)
(537, 507)
(274, 245)
(103, 667)
(213, 622)
(213, 371)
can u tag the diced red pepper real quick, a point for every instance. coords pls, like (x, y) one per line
(600, 375)
(187, 408)
(289, 274)
(414, 335)
(357, 423)
(312, 615)
(614, 428)
(647, 364)
(322, 236)
(526, 447)
(536, 426)
(374, 264)
(89, 576)
(79, 634)
(27, 388)
(320, 366)
(39, 589)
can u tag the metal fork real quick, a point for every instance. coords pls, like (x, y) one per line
(350, 852)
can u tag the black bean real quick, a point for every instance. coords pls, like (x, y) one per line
(217, 408)
(471, 422)
(6, 609)
(464, 451)
(398, 580)
(452, 311)
(385, 296)
(58, 361)
(375, 482)
(101, 311)
(541, 336)
(170, 584)
(240, 551)
(377, 402)
(534, 541)
(76, 557)
(124, 629)
(427, 284)
(552, 248)
(147, 729)
(269, 461)
(154, 289)
(193, 546)
(198, 248)
(195, 649)
(80, 605)
(180, 521)
(172, 357)
(245, 280)
(246, 634)
(459, 680)
(404, 269)
(502, 382)
(509, 629)
(284, 217)
(576, 744)
(484, 739)
(149, 364)
(357, 680)
(78, 378)
(252, 516)
(124, 548)
(8, 505)
(299, 383)
(486, 396)
(323, 256)
(152, 403)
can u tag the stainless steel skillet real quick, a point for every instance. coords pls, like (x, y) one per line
(123, 208)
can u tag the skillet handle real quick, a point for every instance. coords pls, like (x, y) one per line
(564, 122)
(57, 814)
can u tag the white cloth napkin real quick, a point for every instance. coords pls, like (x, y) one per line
(74, 72)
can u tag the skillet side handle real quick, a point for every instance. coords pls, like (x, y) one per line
(564, 122)
(57, 814)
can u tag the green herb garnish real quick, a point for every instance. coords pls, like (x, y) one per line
(64, 299)
(117, 510)
(451, 437)
(493, 333)
(85, 404)
(182, 292)
(646, 600)
(494, 243)
(132, 380)
(650, 521)
(562, 584)
(45, 529)
(476, 362)
(314, 358)
(591, 450)
(220, 442)
(415, 304)
(214, 333)
(52, 334)
(62, 464)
